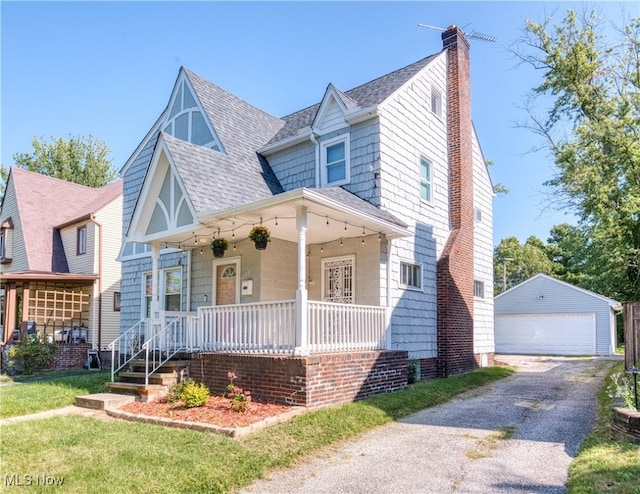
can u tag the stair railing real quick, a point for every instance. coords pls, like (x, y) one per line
(176, 336)
(129, 345)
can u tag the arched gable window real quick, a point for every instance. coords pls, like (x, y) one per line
(187, 122)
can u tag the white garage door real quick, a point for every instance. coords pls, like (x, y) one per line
(546, 334)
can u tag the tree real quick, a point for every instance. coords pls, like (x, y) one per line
(568, 249)
(518, 261)
(592, 129)
(77, 159)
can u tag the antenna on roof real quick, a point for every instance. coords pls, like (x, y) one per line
(471, 34)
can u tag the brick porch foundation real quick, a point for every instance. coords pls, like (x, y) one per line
(313, 381)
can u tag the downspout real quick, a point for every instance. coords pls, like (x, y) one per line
(99, 225)
(317, 153)
(388, 342)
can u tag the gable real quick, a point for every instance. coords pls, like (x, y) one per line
(331, 113)
(163, 205)
(550, 294)
(186, 118)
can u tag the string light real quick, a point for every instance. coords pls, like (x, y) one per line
(340, 241)
(321, 247)
(197, 240)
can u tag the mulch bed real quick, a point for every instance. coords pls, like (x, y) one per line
(217, 411)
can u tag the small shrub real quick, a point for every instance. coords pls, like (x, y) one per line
(240, 398)
(33, 353)
(194, 395)
(413, 371)
(625, 388)
(175, 391)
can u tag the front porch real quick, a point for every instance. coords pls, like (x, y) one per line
(342, 355)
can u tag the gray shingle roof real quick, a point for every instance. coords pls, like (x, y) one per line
(369, 94)
(347, 198)
(217, 181)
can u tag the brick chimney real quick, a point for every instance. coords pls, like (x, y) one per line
(455, 266)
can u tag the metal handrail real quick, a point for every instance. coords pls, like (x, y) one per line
(173, 338)
(129, 345)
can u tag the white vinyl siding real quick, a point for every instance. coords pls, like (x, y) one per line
(547, 296)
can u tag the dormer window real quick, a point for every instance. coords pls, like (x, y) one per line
(186, 121)
(335, 169)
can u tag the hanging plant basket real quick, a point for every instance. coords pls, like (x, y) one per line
(260, 236)
(218, 246)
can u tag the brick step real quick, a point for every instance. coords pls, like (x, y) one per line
(145, 392)
(162, 378)
(104, 401)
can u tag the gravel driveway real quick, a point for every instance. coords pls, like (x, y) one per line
(517, 435)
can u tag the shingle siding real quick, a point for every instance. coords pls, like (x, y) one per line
(483, 253)
(409, 131)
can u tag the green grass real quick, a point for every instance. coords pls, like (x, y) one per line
(48, 391)
(113, 456)
(605, 465)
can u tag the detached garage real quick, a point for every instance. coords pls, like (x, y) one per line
(546, 316)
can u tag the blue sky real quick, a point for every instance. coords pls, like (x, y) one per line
(107, 69)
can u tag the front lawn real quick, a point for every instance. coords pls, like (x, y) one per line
(48, 391)
(111, 456)
(605, 465)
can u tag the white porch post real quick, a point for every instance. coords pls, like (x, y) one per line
(389, 271)
(155, 283)
(302, 330)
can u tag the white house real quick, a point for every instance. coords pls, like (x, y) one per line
(546, 316)
(378, 204)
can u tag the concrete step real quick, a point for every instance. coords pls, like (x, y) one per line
(103, 401)
(144, 392)
(162, 378)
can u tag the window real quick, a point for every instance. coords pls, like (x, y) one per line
(335, 162)
(6, 241)
(337, 279)
(478, 289)
(436, 103)
(425, 180)
(82, 240)
(116, 301)
(170, 290)
(410, 275)
(478, 215)
(186, 121)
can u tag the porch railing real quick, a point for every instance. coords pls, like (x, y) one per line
(128, 346)
(343, 327)
(265, 327)
(177, 335)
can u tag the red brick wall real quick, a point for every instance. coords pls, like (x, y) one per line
(313, 381)
(455, 266)
(70, 356)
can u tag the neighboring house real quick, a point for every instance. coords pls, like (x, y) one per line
(379, 206)
(59, 242)
(546, 316)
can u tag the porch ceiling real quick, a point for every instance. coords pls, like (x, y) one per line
(327, 220)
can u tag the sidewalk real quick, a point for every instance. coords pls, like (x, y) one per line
(68, 410)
